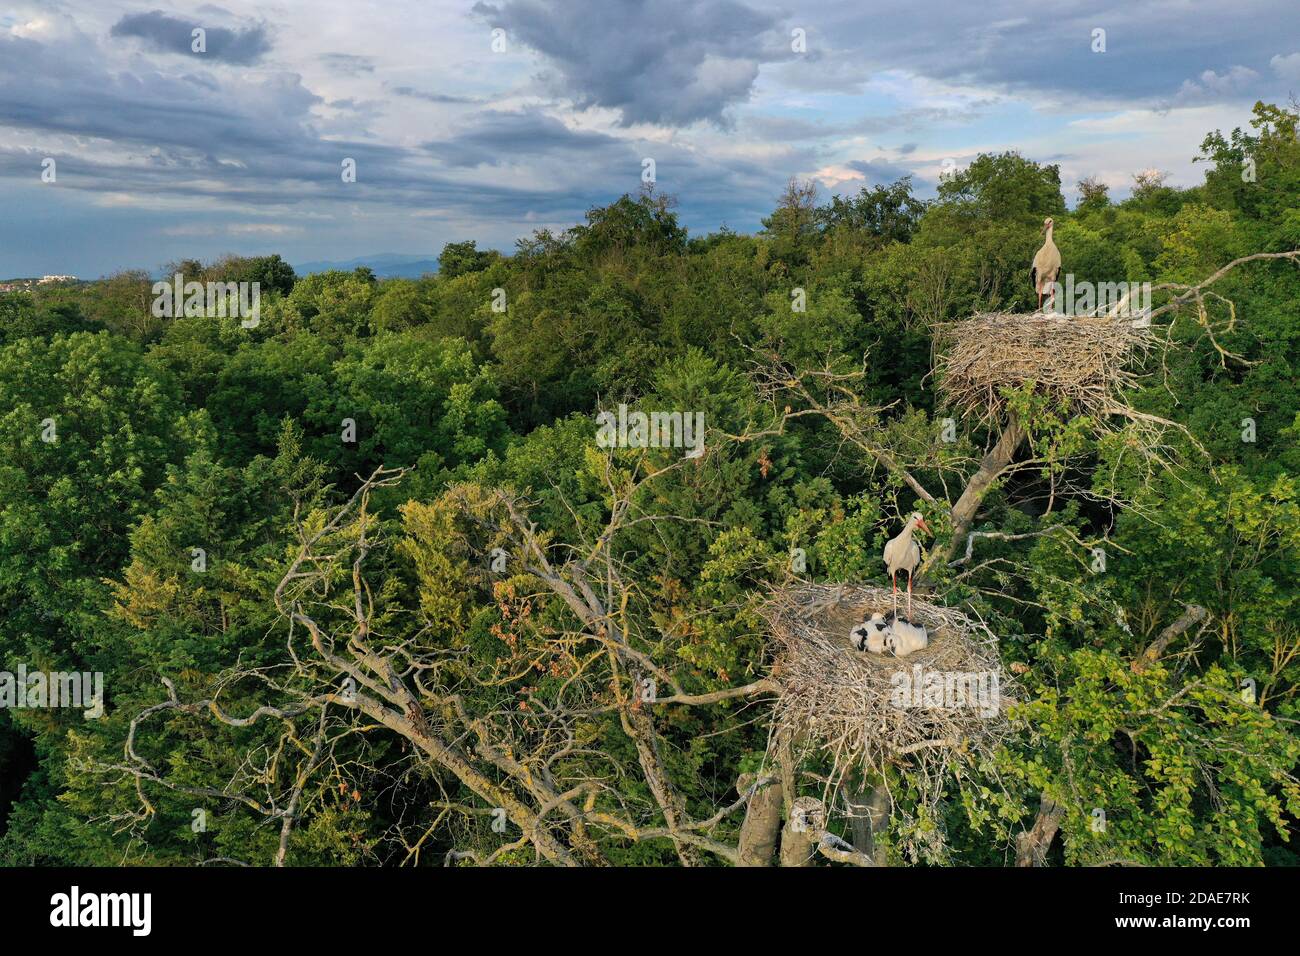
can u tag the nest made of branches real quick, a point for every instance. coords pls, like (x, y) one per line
(1085, 363)
(846, 702)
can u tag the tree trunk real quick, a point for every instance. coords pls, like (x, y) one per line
(758, 834)
(802, 832)
(1032, 845)
(868, 816)
(785, 767)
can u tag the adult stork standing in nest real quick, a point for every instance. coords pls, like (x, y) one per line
(904, 554)
(1046, 267)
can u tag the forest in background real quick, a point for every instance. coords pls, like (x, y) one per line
(351, 679)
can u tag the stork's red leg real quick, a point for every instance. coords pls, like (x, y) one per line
(909, 595)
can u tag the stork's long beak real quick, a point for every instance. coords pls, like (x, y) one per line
(923, 526)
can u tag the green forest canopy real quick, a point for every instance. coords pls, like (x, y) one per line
(447, 662)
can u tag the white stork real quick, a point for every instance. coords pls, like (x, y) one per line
(904, 554)
(1046, 267)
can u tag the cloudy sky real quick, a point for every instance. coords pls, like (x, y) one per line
(161, 152)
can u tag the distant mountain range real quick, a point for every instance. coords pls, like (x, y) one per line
(387, 265)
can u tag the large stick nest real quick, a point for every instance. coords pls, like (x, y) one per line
(1083, 363)
(846, 702)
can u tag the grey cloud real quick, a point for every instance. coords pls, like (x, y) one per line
(796, 129)
(432, 97)
(360, 109)
(879, 170)
(167, 34)
(673, 62)
(224, 142)
(1212, 85)
(493, 138)
(1152, 49)
(922, 118)
(349, 64)
(1286, 67)
(787, 128)
(80, 96)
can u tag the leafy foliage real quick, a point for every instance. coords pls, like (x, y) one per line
(193, 433)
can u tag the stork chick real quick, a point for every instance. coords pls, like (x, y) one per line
(904, 637)
(904, 554)
(870, 634)
(1046, 267)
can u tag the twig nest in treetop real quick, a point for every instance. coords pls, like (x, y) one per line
(946, 702)
(1084, 363)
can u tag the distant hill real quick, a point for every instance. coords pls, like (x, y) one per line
(386, 265)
